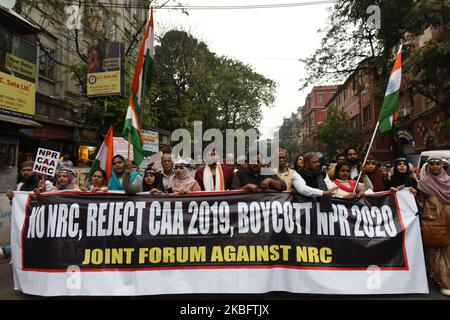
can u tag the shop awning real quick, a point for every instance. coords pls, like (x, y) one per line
(22, 121)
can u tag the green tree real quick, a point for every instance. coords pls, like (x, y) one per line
(349, 38)
(184, 73)
(240, 93)
(337, 132)
(193, 84)
(292, 146)
(428, 65)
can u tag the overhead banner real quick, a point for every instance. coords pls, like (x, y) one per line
(215, 243)
(105, 76)
(17, 75)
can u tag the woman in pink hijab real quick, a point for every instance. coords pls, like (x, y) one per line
(434, 197)
(182, 181)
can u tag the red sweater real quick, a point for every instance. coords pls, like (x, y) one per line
(228, 175)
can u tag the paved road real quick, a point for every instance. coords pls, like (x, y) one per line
(7, 292)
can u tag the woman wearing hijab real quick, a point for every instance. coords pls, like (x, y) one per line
(123, 177)
(377, 182)
(182, 181)
(65, 180)
(153, 181)
(402, 175)
(434, 197)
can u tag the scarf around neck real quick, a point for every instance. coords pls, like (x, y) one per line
(179, 183)
(342, 186)
(377, 180)
(157, 185)
(208, 180)
(114, 182)
(313, 178)
(438, 186)
(398, 179)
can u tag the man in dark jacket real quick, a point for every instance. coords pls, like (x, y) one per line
(252, 180)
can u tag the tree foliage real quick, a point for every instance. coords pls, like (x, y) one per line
(194, 84)
(429, 63)
(337, 132)
(349, 38)
(190, 82)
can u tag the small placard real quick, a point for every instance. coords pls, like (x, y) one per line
(46, 161)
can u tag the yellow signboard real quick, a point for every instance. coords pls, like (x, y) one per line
(16, 64)
(16, 94)
(113, 63)
(100, 83)
(104, 66)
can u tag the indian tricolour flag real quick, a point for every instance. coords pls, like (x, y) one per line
(132, 133)
(144, 63)
(390, 103)
(104, 156)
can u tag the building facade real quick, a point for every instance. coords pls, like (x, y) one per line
(313, 113)
(58, 49)
(421, 122)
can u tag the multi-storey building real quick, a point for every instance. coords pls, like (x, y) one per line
(420, 121)
(314, 113)
(356, 97)
(57, 45)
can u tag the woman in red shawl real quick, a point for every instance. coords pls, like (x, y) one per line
(434, 197)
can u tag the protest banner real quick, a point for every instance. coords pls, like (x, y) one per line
(215, 243)
(5, 220)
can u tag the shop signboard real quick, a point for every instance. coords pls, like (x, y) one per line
(17, 75)
(105, 76)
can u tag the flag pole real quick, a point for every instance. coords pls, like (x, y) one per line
(128, 157)
(367, 154)
(141, 114)
(388, 92)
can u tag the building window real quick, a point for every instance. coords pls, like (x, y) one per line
(320, 98)
(367, 114)
(406, 104)
(8, 155)
(128, 5)
(355, 121)
(46, 64)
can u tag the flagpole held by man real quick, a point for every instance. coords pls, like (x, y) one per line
(390, 104)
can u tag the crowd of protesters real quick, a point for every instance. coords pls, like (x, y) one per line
(347, 179)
